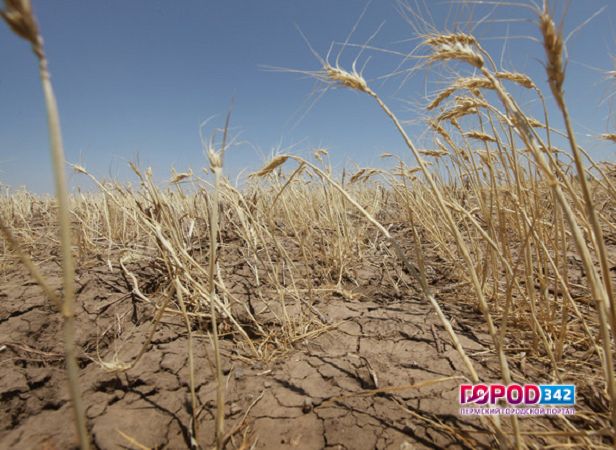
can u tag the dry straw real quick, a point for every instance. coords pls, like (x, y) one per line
(480, 136)
(554, 45)
(19, 16)
(516, 77)
(458, 46)
(505, 217)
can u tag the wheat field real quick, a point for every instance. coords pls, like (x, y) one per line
(313, 309)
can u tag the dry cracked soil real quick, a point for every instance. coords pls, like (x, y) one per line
(382, 374)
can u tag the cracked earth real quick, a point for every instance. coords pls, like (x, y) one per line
(381, 375)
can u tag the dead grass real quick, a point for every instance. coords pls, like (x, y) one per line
(532, 245)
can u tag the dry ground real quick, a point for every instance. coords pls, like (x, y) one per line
(321, 393)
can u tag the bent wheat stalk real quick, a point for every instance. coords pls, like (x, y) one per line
(20, 18)
(418, 274)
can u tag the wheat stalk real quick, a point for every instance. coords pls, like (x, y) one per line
(19, 16)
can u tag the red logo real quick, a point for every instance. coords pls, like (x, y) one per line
(514, 394)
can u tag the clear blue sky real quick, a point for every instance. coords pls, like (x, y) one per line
(137, 77)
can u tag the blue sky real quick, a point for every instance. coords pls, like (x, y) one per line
(135, 78)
